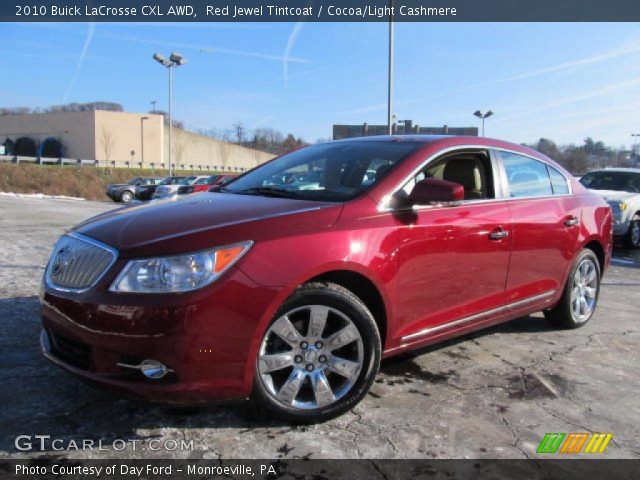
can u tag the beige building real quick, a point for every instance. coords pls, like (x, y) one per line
(119, 139)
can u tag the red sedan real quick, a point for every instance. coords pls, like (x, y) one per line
(205, 184)
(292, 293)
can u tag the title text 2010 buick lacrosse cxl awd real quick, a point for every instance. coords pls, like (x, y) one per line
(292, 282)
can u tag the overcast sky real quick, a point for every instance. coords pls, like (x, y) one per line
(561, 81)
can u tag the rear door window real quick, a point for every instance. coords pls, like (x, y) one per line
(526, 177)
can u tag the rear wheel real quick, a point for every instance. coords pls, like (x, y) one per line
(319, 356)
(580, 296)
(126, 196)
(633, 235)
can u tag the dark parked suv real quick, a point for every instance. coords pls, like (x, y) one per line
(126, 192)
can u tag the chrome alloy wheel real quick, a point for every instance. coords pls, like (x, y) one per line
(310, 357)
(584, 290)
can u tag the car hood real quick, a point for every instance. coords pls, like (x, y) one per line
(614, 195)
(118, 185)
(203, 221)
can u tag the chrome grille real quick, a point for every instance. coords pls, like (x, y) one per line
(78, 262)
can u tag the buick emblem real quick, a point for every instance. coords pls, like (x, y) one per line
(61, 261)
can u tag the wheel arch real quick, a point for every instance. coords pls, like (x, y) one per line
(363, 288)
(596, 247)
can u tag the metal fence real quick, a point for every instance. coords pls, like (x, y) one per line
(80, 162)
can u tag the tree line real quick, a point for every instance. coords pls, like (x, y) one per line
(579, 159)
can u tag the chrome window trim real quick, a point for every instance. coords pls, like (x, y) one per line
(501, 187)
(78, 236)
(486, 313)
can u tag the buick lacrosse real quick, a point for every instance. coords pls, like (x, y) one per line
(291, 283)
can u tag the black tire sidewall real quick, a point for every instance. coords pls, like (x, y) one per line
(630, 244)
(357, 312)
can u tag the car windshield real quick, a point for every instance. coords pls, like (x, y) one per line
(330, 172)
(171, 180)
(135, 181)
(620, 181)
(202, 181)
(187, 180)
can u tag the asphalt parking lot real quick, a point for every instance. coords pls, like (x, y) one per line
(493, 394)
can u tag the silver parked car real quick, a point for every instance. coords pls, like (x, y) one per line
(168, 190)
(620, 187)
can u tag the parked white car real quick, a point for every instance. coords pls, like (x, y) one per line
(166, 191)
(620, 187)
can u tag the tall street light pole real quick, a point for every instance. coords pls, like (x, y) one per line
(174, 60)
(390, 73)
(635, 136)
(483, 116)
(142, 119)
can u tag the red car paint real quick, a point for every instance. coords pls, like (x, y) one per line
(430, 267)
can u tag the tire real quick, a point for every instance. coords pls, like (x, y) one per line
(632, 238)
(583, 282)
(126, 196)
(349, 343)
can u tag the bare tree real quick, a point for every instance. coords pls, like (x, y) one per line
(224, 150)
(107, 140)
(239, 128)
(179, 146)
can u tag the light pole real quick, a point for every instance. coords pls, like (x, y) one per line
(142, 119)
(635, 136)
(174, 60)
(390, 73)
(153, 105)
(482, 116)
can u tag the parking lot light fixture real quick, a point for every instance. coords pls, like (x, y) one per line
(174, 60)
(483, 116)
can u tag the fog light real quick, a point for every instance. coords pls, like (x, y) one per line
(149, 368)
(153, 369)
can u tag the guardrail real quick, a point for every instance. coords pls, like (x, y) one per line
(117, 164)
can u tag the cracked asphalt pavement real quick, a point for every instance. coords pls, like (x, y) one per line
(492, 394)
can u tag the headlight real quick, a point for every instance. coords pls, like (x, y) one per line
(179, 273)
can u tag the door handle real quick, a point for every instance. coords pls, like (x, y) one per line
(498, 234)
(571, 222)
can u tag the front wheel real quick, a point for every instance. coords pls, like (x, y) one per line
(126, 196)
(319, 356)
(580, 296)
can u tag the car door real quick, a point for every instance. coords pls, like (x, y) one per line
(546, 224)
(453, 259)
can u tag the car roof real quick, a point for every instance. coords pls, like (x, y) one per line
(617, 169)
(399, 138)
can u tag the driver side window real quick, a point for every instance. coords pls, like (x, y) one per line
(471, 169)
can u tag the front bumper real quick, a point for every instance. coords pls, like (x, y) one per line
(207, 338)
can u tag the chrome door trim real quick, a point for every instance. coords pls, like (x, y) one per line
(476, 316)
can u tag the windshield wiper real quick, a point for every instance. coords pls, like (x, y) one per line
(270, 191)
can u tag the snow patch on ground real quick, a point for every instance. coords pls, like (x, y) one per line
(39, 195)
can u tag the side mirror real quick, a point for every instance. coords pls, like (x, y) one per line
(429, 191)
